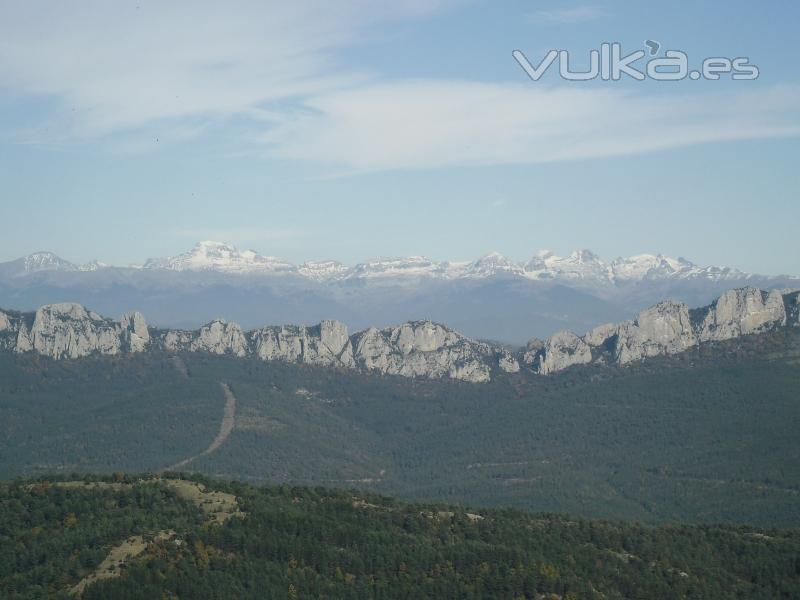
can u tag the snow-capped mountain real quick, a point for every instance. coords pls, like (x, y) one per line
(219, 256)
(491, 296)
(402, 267)
(47, 261)
(322, 270)
(579, 266)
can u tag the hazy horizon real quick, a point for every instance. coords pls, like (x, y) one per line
(386, 257)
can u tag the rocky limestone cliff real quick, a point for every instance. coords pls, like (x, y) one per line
(325, 344)
(742, 312)
(136, 335)
(419, 349)
(563, 350)
(427, 349)
(667, 328)
(414, 349)
(792, 304)
(70, 331)
(220, 337)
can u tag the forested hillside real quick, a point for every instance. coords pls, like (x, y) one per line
(706, 436)
(127, 538)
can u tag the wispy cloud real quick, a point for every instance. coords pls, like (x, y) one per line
(110, 67)
(567, 16)
(434, 123)
(153, 72)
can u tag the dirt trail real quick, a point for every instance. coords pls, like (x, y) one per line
(119, 555)
(217, 507)
(225, 429)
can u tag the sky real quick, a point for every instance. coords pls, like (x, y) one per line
(357, 129)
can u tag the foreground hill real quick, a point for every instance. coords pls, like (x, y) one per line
(707, 435)
(133, 538)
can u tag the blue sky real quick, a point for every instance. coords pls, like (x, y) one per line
(351, 130)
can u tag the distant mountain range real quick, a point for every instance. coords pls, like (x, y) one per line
(580, 265)
(491, 297)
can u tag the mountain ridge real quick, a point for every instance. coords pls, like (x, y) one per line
(580, 264)
(493, 297)
(420, 348)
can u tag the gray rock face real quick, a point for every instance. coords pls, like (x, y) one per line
(326, 344)
(69, 331)
(426, 349)
(507, 363)
(562, 350)
(532, 351)
(220, 337)
(792, 302)
(10, 325)
(135, 334)
(176, 340)
(741, 312)
(285, 343)
(668, 328)
(414, 349)
(601, 334)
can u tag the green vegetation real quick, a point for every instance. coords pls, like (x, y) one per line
(296, 542)
(707, 436)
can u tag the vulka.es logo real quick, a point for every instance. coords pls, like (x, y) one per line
(609, 64)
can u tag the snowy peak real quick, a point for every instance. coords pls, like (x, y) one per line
(219, 256)
(411, 266)
(321, 270)
(580, 265)
(584, 257)
(46, 261)
(645, 266)
(655, 267)
(493, 264)
(581, 268)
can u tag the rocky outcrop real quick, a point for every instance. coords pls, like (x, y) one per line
(176, 340)
(427, 349)
(415, 349)
(135, 334)
(599, 335)
(326, 344)
(668, 328)
(220, 337)
(10, 325)
(792, 305)
(742, 312)
(562, 350)
(70, 331)
(533, 349)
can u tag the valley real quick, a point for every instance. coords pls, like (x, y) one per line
(707, 435)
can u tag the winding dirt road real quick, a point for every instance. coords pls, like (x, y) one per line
(225, 429)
